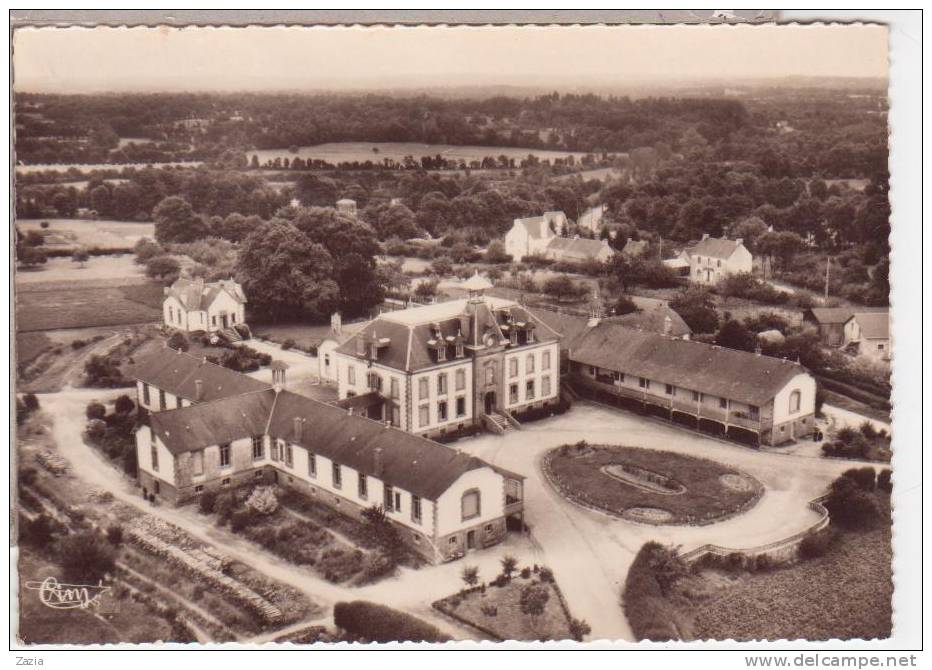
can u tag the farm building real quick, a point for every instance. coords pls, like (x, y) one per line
(868, 334)
(192, 305)
(743, 396)
(829, 322)
(713, 259)
(443, 502)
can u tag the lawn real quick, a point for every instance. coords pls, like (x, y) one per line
(844, 594)
(496, 611)
(118, 267)
(650, 486)
(73, 233)
(349, 152)
(56, 305)
(30, 345)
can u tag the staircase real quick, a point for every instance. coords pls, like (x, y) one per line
(501, 422)
(231, 335)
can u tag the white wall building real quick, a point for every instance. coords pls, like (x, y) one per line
(713, 259)
(530, 236)
(192, 305)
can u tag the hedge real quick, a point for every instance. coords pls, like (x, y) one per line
(650, 614)
(378, 623)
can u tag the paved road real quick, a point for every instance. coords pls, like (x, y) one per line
(590, 552)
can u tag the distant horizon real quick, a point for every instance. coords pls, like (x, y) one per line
(173, 60)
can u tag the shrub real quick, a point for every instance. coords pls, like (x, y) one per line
(470, 575)
(37, 532)
(864, 477)
(31, 402)
(579, 629)
(288, 344)
(84, 558)
(178, 341)
(525, 573)
(263, 500)
(546, 575)
(509, 565)
(762, 563)
(651, 616)
(240, 519)
(499, 581)
(884, 483)
(224, 506)
(488, 610)
(96, 410)
(816, 544)
(851, 506)
(378, 623)
(207, 502)
(377, 565)
(115, 535)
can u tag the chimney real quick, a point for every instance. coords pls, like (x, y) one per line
(740, 240)
(278, 375)
(298, 428)
(705, 236)
(377, 462)
(336, 323)
(198, 389)
(667, 325)
(757, 349)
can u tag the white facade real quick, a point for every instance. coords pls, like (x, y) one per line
(710, 267)
(530, 236)
(223, 311)
(786, 407)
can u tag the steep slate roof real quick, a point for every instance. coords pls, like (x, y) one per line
(874, 325)
(411, 332)
(570, 326)
(830, 315)
(726, 373)
(217, 422)
(194, 294)
(536, 226)
(576, 247)
(714, 247)
(176, 372)
(654, 321)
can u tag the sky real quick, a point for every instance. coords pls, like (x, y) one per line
(74, 60)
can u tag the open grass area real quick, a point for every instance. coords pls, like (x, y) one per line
(56, 305)
(650, 486)
(30, 345)
(496, 610)
(844, 594)
(119, 268)
(74, 233)
(349, 152)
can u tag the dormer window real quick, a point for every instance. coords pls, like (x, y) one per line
(460, 352)
(513, 336)
(441, 352)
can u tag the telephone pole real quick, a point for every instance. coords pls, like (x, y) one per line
(828, 264)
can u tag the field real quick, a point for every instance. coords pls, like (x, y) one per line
(57, 305)
(30, 345)
(650, 486)
(74, 233)
(63, 269)
(845, 594)
(349, 152)
(87, 167)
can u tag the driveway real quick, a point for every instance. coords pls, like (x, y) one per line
(591, 552)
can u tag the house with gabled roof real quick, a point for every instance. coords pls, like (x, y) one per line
(829, 322)
(443, 502)
(531, 235)
(868, 334)
(193, 305)
(451, 367)
(712, 259)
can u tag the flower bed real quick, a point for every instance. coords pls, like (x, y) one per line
(579, 473)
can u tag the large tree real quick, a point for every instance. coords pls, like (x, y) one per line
(175, 221)
(285, 274)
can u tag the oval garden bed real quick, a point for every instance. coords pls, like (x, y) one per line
(649, 486)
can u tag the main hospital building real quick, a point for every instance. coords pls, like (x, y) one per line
(437, 372)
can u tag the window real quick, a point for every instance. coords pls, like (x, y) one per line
(389, 499)
(161, 399)
(668, 389)
(311, 464)
(529, 335)
(718, 264)
(171, 314)
(489, 529)
(259, 474)
(258, 448)
(470, 504)
(415, 509)
(529, 390)
(423, 388)
(460, 380)
(154, 455)
(336, 476)
(199, 488)
(442, 410)
(529, 364)
(459, 350)
(197, 463)
(545, 386)
(795, 399)
(545, 361)
(619, 377)
(145, 394)
(643, 383)
(723, 403)
(289, 456)
(225, 481)
(696, 396)
(423, 415)
(394, 391)
(351, 375)
(158, 488)
(753, 412)
(513, 393)
(442, 353)
(213, 320)
(461, 407)
(441, 384)
(224, 455)
(592, 371)
(397, 501)
(513, 367)
(276, 450)
(363, 486)
(879, 347)
(178, 402)
(326, 360)
(489, 375)
(374, 381)
(454, 539)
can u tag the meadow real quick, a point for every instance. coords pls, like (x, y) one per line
(56, 305)
(87, 167)
(74, 233)
(349, 152)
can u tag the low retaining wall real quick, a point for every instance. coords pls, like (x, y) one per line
(779, 551)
